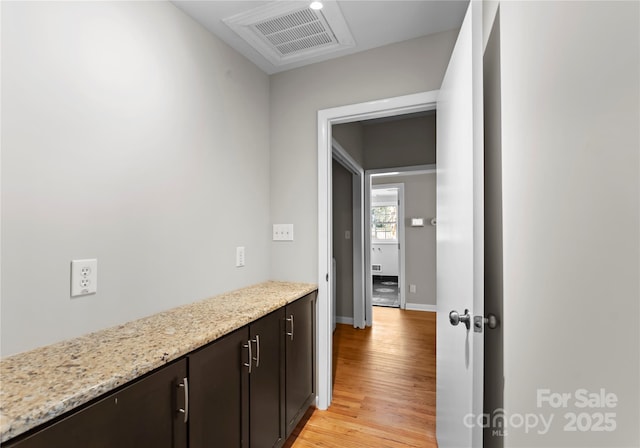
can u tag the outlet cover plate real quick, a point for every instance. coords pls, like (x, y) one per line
(84, 277)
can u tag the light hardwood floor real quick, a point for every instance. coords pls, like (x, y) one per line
(384, 386)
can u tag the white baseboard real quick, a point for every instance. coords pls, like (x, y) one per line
(421, 307)
(344, 320)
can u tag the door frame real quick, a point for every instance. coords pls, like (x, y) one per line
(412, 170)
(387, 107)
(368, 244)
(341, 156)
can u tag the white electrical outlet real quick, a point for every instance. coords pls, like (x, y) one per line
(283, 232)
(347, 234)
(239, 256)
(84, 277)
(412, 288)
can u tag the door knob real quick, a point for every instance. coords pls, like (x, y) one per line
(491, 322)
(456, 318)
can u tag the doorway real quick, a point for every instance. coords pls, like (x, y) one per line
(381, 144)
(417, 234)
(326, 118)
(347, 211)
(387, 244)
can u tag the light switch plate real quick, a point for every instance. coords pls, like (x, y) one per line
(283, 232)
(239, 256)
(84, 277)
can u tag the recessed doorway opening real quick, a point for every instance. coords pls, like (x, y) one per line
(386, 244)
(327, 118)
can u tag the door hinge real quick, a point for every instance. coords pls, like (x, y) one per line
(327, 278)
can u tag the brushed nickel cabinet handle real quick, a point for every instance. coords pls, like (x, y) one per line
(250, 358)
(290, 319)
(257, 357)
(185, 411)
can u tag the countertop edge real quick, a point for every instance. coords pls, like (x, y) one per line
(11, 427)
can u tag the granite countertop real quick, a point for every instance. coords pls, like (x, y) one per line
(41, 384)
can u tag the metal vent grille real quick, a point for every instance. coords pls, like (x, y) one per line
(297, 31)
(288, 32)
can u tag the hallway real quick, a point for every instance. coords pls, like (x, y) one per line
(384, 386)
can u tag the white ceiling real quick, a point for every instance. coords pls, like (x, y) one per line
(373, 23)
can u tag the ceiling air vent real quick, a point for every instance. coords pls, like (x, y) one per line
(289, 31)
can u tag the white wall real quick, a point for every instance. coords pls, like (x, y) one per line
(570, 157)
(296, 96)
(386, 255)
(125, 137)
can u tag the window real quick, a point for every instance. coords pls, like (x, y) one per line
(384, 222)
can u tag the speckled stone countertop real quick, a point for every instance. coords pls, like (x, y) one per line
(41, 384)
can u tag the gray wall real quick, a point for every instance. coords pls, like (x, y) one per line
(342, 247)
(296, 96)
(420, 242)
(351, 138)
(571, 221)
(389, 143)
(124, 137)
(406, 142)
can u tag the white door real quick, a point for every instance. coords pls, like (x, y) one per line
(460, 245)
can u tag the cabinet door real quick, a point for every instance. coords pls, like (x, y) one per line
(92, 426)
(149, 410)
(144, 413)
(300, 359)
(266, 382)
(218, 381)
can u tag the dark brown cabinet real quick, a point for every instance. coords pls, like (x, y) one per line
(248, 389)
(300, 359)
(237, 388)
(218, 380)
(266, 382)
(144, 413)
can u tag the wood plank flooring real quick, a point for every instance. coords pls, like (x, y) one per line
(384, 386)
